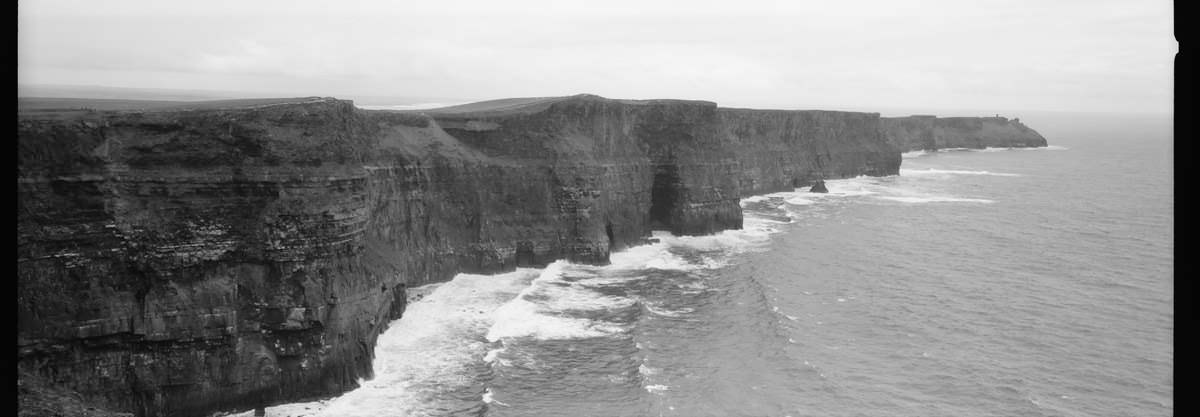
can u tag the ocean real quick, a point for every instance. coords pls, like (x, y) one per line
(976, 283)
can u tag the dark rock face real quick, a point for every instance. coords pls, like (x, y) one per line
(176, 263)
(779, 150)
(36, 398)
(915, 133)
(187, 261)
(819, 187)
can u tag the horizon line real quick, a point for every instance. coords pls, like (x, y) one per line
(217, 94)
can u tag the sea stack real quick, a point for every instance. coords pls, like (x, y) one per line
(818, 187)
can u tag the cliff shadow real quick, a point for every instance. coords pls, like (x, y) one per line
(664, 196)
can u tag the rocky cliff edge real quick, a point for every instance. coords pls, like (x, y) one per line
(196, 258)
(930, 133)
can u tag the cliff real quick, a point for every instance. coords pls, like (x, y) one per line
(196, 258)
(916, 133)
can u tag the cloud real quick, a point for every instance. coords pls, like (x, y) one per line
(1094, 54)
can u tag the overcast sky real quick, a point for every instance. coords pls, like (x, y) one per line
(1086, 55)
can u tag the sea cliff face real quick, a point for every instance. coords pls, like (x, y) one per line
(181, 262)
(929, 133)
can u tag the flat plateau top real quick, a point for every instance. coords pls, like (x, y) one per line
(67, 107)
(508, 106)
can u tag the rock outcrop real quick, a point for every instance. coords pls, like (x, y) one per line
(35, 398)
(819, 187)
(929, 133)
(183, 261)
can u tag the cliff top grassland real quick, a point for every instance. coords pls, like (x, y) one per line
(526, 105)
(44, 107)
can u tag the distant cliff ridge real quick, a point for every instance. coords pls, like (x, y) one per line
(916, 133)
(199, 257)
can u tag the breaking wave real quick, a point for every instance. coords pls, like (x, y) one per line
(447, 349)
(534, 312)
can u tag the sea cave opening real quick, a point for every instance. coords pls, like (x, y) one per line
(664, 196)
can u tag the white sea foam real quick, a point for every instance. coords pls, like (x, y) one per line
(435, 343)
(610, 280)
(653, 256)
(492, 355)
(932, 171)
(796, 203)
(935, 199)
(753, 234)
(800, 201)
(577, 296)
(659, 310)
(755, 199)
(656, 389)
(766, 222)
(846, 187)
(671, 262)
(306, 409)
(522, 317)
(758, 228)
(913, 154)
(849, 190)
(729, 239)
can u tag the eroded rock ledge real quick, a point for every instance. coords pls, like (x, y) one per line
(179, 262)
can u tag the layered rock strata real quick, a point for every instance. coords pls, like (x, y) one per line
(179, 262)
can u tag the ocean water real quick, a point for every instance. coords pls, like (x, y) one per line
(975, 283)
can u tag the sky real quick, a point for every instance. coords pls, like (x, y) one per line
(1061, 55)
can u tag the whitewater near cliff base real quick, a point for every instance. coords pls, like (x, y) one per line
(285, 236)
(949, 289)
